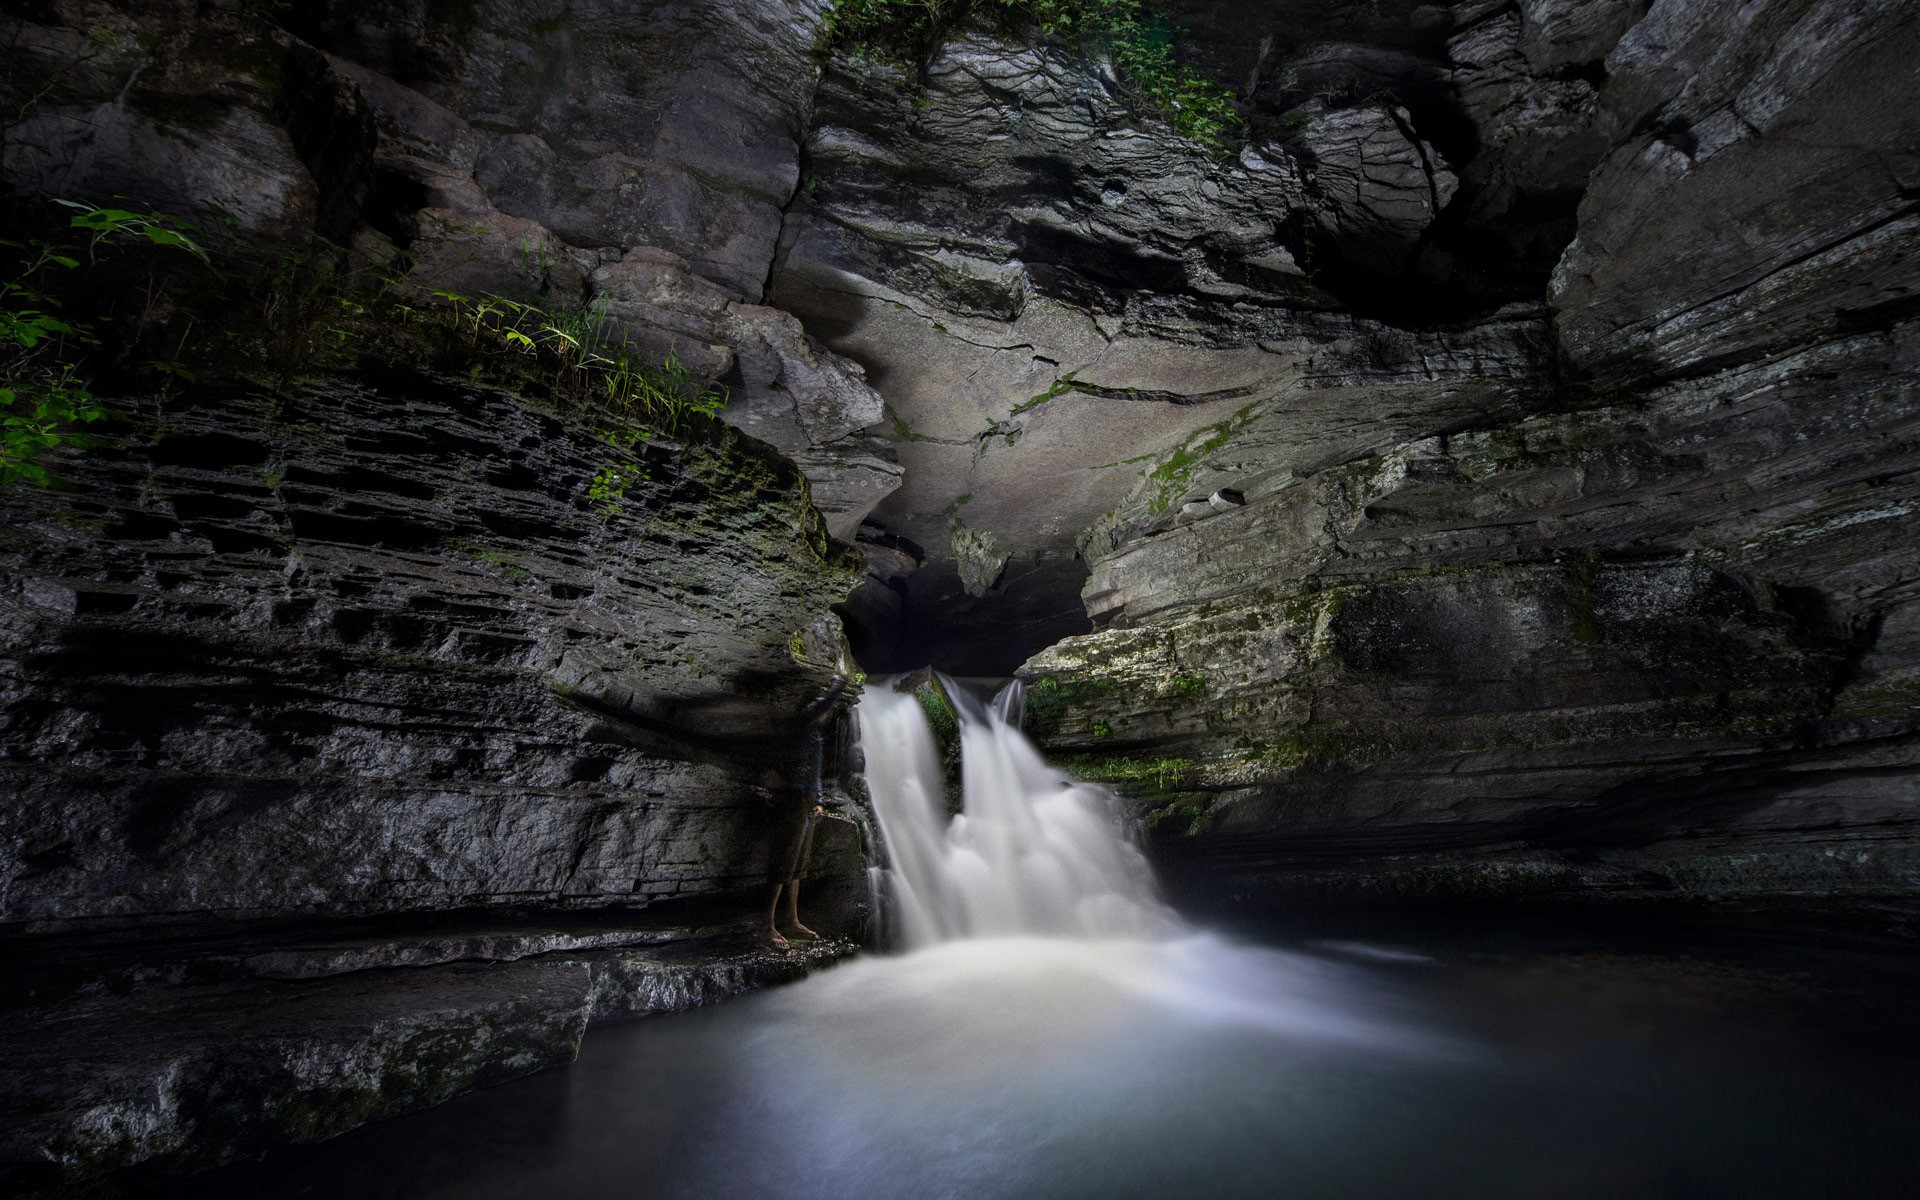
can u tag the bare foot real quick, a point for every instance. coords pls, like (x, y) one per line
(802, 931)
(776, 941)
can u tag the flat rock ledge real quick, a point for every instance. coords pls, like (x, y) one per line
(138, 1068)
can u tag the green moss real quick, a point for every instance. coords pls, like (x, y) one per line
(420, 664)
(1181, 813)
(945, 724)
(505, 562)
(1138, 40)
(1050, 699)
(1187, 687)
(1286, 753)
(1168, 481)
(1058, 388)
(1159, 774)
(1895, 695)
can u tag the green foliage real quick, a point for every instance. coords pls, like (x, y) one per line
(1160, 774)
(1058, 388)
(1169, 480)
(945, 724)
(1050, 699)
(611, 377)
(309, 302)
(631, 394)
(1186, 687)
(45, 398)
(609, 487)
(1102, 729)
(1138, 39)
(176, 294)
(107, 224)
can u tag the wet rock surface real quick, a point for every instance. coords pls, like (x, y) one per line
(157, 1057)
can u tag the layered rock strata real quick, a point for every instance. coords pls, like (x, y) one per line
(1056, 293)
(237, 1045)
(634, 159)
(367, 641)
(368, 647)
(1654, 636)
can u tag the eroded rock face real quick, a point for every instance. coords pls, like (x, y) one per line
(624, 124)
(634, 158)
(1647, 634)
(163, 1078)
(369, 647)
(1051, 290)
(1758, 194)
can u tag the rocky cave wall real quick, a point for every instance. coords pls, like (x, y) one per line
(1491, 474)
(1507, 431)
(1651, 634)
(365, 648)
(359, 642)
(351, 745)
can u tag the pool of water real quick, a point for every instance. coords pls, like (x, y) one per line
(1468, 1054)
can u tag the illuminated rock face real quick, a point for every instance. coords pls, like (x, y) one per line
(1654, 633)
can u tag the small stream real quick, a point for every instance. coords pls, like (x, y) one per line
(1052, 1030)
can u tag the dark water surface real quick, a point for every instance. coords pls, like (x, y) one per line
(1475, 1053)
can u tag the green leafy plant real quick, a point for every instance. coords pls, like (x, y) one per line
(609, 486)
(45, 399)
(1160, 774)
(107, 224)
(1139, 40)
(605, 374)
(1186, 687)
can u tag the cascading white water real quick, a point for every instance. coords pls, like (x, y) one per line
(1032, 852)
(1054, 1031)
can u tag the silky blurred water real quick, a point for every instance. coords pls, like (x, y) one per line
(1485, 1054)
(1057, 1032)
(1033, 851)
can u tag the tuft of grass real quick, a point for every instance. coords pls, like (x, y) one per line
(1161, 774)
(1055, 390)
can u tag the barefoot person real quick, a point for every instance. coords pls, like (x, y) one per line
(794, 849)
(798, 851)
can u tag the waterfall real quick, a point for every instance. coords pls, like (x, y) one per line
(1032, 851)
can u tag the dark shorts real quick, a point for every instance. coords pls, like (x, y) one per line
(793, 848)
